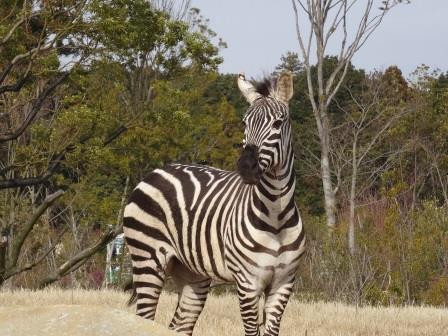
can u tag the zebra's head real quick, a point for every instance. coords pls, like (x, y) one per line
(267, 128)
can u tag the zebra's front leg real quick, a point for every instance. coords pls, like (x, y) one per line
(191, 302)
(276, 300)
(249, 299)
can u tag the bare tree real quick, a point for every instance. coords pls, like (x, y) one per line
(177, 10)
(356, 142)
(328, 19)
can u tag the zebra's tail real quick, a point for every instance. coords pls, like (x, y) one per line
(129, 285)
(133, 298)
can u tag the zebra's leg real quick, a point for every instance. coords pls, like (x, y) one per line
(276, 300)
(249, 300)
(189, 306)
(148, 278)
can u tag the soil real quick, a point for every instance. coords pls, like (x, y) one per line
(75, 320)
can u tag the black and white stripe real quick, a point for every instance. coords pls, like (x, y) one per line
(200, 224)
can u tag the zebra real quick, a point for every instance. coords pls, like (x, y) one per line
(202, 225)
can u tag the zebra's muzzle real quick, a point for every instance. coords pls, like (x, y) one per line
(248, 166)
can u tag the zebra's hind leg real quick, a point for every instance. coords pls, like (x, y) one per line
(148, 278)
(276, 300)
(191, 301)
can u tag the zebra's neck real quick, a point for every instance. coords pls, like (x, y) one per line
(282, 178)
(274, 194)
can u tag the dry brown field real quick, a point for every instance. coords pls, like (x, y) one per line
(221, 314)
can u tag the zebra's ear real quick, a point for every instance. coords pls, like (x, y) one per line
(285, 87)
(247, 89)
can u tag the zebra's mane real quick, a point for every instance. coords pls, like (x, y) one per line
(266, 87)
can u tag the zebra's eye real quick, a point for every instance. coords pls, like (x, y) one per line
(243, 125)
(277, 124)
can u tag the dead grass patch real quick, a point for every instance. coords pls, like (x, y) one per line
(221, 314)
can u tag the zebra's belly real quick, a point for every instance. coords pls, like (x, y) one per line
(213, 266)
(202, 249)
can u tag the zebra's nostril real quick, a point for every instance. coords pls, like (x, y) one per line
(254, 166)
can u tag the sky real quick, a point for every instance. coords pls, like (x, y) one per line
(258, 32)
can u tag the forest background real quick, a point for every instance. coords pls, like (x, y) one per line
(94, 94)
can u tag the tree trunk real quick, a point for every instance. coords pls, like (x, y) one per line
(329, 195)
(352, 201)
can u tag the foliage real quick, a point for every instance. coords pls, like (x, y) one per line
(134, 32)
(289, 62)
(93, 94)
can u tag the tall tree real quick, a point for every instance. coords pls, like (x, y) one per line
(58, 137)
(326, 18)
(289, 62)
(34, 35)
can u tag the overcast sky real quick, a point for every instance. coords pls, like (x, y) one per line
(258, 32)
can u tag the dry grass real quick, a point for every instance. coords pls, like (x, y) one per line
(221, 314)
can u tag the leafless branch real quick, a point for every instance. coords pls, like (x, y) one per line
(79, 259)
(24, 182)
(34, 110)
(17, 244)
(36, 262)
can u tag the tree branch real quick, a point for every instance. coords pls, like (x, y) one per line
(115, 134)
(30, 266)
(25, 182)
(19, 84)
(35, 109)
(11, 31)
(79, 259)
(16, 246)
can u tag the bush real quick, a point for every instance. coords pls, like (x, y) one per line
(401, 258)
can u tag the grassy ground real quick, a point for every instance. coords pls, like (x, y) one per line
(221, 314)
